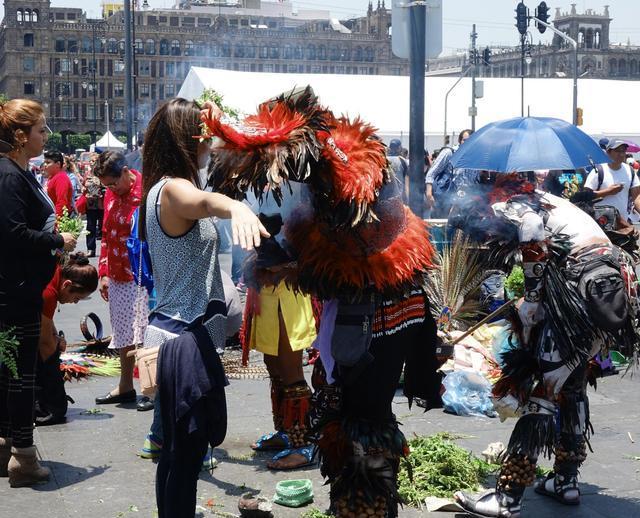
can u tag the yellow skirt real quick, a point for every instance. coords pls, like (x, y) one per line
(297, 315)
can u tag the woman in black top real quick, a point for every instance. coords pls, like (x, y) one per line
(28, 258)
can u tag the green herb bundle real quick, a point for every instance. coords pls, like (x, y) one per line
(70, 225)
(210, 94)
(9, 351)
(515, 282)
(438, 467)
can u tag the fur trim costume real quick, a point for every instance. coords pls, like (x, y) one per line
(356, 245)
(544, 375)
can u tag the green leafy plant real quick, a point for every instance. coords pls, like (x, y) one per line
(438, 467)
(9, 351)
(515, 282)
(71, 225)
(315, 513)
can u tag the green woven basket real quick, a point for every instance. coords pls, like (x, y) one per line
(294, 493)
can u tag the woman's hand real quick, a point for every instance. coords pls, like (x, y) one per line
(211, 109)
(70, 242)
(246, 227)
(104, 288)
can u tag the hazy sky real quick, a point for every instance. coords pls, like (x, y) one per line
(494, 18)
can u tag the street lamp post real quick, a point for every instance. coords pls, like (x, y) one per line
(574, 43)
(446, 98)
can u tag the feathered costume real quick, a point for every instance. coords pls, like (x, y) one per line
(565, 255)
(355, 245)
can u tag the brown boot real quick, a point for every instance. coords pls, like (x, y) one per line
(5, 455)
(24, 468)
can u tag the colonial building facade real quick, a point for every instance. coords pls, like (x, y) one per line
(597, 56)
(74, 64)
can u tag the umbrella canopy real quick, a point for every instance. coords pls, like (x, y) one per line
(528, 144)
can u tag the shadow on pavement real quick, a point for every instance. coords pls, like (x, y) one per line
(64, 475)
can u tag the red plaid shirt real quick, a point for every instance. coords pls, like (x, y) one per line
(116, 228)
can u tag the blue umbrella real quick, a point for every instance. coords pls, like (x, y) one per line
(527, 144)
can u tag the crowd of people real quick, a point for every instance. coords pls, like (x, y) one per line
(337, 263)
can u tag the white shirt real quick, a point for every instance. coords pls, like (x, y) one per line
(623, 175)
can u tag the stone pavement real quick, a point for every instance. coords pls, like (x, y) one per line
(96, 472)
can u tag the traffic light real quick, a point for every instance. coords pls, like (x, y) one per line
(522, 18)
(542, 14)
(579, 120)
(486, 56)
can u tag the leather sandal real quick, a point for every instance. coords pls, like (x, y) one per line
(560, 488)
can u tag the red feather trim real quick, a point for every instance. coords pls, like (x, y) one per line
(269, 126)
(334, 448)
(357, 160)
(334, 259)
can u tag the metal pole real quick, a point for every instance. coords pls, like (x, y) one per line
(94, 85)
(135, 73)
(417, 57)
(575, 85)
(106, 116)
(574, 43)
(522, 42)
(474, 37)
(446, 99)
(128, 71)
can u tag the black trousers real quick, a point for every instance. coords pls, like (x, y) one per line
(17, 395)
(179, 469)
(94, 227)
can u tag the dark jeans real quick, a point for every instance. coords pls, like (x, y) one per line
(17, 396)
(179, 468)
(94, 227)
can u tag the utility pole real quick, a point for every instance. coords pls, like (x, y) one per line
(417, 57)
(128, 71)
(474, 62)
(522, 55)
(522, 23)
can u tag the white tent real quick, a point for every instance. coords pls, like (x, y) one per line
(609, 106)
(109, 142)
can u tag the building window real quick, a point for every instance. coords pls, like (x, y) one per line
(188, 21)
(118, 113)
(72, 45)
(144, 67)
(59, 16)
(175, 48)
(28, 40)
(150, 47)
(118, 89)
(170, 69)
(322, 52)
(169, 90)
(164, 48)
(174, 21)
(274, 52)
(139, 46)
(91, 113)
(204, 22)
(311, 52)
(340, 69)
(112, 46)
(264, 52)
(66, 111)
(65, 65)
(29, 88)
(287, 52)
(35, 16)
(238, 51)
(268, 67)
(152, 20)
(118, 66)
(19, 16)
(358, 54)
(86, 44)
(60, 45)
(293, 69)
(201, 48)
(144, 90)
(316, 69)
(363, 71)
(369, 54)
(189, 48)
(28, 64)
(63, 89)
(298, 52)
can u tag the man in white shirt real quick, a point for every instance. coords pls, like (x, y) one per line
(616, 182)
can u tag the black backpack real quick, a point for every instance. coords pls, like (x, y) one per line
(51, 398)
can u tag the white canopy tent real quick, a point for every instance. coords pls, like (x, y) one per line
(609, 106)
(109, 142)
